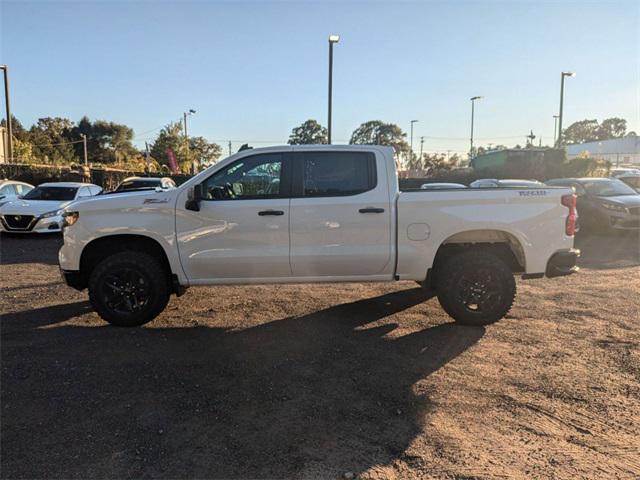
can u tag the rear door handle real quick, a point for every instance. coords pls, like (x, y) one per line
(276, 213)
(371, 210)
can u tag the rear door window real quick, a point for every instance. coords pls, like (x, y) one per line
(333, 174)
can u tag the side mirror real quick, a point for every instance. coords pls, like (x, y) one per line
(193, 203)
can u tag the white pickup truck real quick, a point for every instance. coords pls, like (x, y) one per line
(315, 214)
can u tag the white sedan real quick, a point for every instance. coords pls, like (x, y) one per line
(39, 210)
(11, 190)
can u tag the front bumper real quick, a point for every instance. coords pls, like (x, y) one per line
(562, 263)
(37, 225)
(74, 279)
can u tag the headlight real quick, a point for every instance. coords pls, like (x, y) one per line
(53, 213)
(69, 218)
(615, 208)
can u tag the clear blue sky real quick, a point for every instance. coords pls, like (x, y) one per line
(254, 70)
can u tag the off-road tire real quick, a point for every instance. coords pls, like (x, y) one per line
(154, 281)
(452, 286)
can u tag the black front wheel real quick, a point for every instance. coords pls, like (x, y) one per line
(128, 289)
(475, 288)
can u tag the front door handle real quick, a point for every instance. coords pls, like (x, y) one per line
(371, 210)
(276, 213)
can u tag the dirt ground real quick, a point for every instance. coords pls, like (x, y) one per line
(323, 381)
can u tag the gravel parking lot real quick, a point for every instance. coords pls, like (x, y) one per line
(324, 380)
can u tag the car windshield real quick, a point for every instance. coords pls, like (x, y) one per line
(138, 184)
(52, 193)
(608, 188)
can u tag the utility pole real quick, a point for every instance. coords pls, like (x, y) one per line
(147, 157)
(229, 147)
(186, 139)
(332, 39)
(555, 128)
(84, 146)
(5, 70)
(562, 75)
(473, 102)
(421, 146)
(411, 142)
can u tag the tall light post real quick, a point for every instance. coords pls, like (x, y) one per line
(411, 141)
(191, 111)
(473, 103)
(84, 146)
(555, 128)
(5, 71)
(332, 39)
(562, 76)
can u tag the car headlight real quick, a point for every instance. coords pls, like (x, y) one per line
(69, 218)
(615, 208)
(53, 213)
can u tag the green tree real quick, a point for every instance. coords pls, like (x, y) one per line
(612, 128)
(170, 137)
(309, 133)
(205, 153)
(376, 132)
(17, 129)
(591, 131)
(112, 142)
(201, 151)
(51, 137)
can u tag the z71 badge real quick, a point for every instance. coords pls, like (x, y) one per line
(155, 200)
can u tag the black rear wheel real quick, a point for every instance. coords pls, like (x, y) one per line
(475, 288)
(128, 289)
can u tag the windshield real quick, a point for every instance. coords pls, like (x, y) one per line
(59, 194)
(137, 184)
(608, 188)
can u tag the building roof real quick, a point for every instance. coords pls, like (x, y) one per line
(628, 144)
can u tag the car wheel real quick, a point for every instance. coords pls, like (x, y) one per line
(129, 289)
(475, 288)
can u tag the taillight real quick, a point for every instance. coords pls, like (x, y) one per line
(569, 201)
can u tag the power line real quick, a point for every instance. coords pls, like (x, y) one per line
(56, 144)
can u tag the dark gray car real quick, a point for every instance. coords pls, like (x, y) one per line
(604, 203)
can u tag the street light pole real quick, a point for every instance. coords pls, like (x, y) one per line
(562, 75)
(411, 141)
(555, 128)
(473, 102)
(332, 39)
(5, 70)
(186, 138)
(84, 145)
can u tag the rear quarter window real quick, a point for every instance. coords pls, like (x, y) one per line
(327, 174)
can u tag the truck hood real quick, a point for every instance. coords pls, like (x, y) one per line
(135, 199)
(32, 207)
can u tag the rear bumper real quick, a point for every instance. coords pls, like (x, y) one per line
(562, 263)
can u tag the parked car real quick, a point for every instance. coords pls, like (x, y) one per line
(604, 203)
(618, 172)
(631, 179)
(11, 190)
(40, 209)
(333, 214)
(145, 183)
(495, 183)
(441, 186)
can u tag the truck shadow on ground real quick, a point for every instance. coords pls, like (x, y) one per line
(309, 396)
